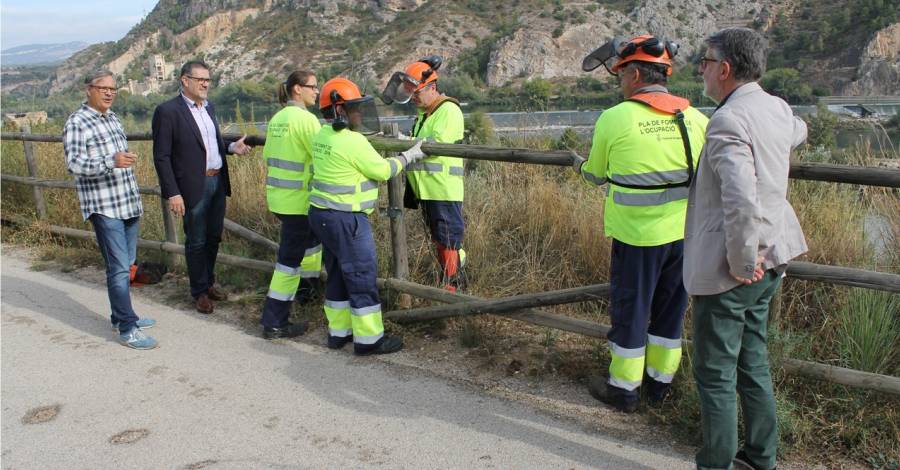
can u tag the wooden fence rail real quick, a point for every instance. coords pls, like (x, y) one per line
(828, 373)
(518, 307)
(796, 269)
(850, 174)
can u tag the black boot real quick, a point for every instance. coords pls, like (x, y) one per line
(385, 345)
(291, 330)
(338, 342)
(600, 389)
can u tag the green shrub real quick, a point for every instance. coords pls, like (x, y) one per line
(869, 331)
(822, 129)
(480, 129)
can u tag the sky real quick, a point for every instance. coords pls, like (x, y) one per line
(57, 21)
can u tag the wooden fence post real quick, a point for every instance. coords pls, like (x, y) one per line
(400, 260)
(31, 163)
(171, 232)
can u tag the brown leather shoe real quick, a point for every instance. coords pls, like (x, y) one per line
(216, 294)
(204, 305)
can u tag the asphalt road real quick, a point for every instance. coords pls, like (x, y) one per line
(215, 397)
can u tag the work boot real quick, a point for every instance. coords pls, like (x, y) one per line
(204, 305)
(657, 392)
(742, 462)
(385, 345)
(600, 389)
(291, 330)
(338, 342)
(216, 294)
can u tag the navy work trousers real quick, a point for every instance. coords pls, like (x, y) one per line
(445, 221)
(296, 238)
(647, 297)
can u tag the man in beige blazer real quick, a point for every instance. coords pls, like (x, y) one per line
(740, 233)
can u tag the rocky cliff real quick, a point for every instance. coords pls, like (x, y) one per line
(879, 70)
(244, 39)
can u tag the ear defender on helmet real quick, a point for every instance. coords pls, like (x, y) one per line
(339, 122)
(644, 48)
(433, 61)
(672, 48)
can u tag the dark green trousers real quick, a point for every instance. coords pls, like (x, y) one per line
(731, 355)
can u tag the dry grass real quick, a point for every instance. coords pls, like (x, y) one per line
(535, 228)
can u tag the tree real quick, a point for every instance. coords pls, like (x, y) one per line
(538, 91)
(787, 84)
(460, 86)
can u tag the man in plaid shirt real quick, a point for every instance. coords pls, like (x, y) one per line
(97, 154)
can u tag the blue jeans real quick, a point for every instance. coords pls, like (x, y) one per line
(203, 225)
(117, 239)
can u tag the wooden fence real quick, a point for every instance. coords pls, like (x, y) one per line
(520, 307)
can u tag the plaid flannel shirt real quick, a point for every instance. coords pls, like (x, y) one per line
(91, 140)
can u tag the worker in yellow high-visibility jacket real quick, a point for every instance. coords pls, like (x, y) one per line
(344, 192)
(288, 156)
(437, 181)
(645, 148)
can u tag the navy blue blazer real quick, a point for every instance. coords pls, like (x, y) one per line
(179, 154)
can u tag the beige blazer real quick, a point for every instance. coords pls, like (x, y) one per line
(737, 204)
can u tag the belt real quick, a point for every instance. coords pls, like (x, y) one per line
(212, 172)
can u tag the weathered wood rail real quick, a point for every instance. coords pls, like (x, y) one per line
(520, 307)
(850, 174)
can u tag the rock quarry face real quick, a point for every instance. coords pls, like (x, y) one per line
(534, 53)
(531, 51)
(879, 69)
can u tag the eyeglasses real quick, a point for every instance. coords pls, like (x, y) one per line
(200, 80)
(704, 60)
(105, 89)
(311, 87)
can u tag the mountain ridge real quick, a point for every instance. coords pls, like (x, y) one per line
(368, 40)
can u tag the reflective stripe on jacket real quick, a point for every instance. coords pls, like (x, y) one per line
(288, 157)
(348, 170)
(636, 144)
(438, 178)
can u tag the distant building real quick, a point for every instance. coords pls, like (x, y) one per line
(159, 69)
(30, 118)
(159, 72)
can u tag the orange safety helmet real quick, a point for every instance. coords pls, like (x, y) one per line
(646, 48)
(422, 72)
(415, 77)
(359, 112)
(338, 90)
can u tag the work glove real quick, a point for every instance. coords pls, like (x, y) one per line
(577, 161)
(413, 154)
(403, 136)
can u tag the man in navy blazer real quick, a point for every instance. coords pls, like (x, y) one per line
(189, 155)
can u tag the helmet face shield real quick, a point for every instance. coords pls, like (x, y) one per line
(399, 89)
(616, 53)
(606, 55)
(362, 116)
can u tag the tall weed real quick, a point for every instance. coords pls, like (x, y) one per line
(869, 331)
